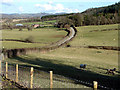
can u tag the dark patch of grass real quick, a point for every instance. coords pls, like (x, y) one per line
(71, 72)
(29, 39)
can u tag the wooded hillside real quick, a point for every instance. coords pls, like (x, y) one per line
(94, 16)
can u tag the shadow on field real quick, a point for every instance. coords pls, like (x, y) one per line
(72, 72)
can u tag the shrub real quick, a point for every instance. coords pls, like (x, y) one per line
(99, 52)
(20, 29)
(29, 39)
(29, 28)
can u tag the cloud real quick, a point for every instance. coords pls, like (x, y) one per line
(58, 8)
(76, 10)
(21, 9)
(7, 2)
(55, 8)
(46, 7)
(50, 2)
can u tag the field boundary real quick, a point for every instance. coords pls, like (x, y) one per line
(100, 47)
(105, 30)
(17, 83)
(20, 41)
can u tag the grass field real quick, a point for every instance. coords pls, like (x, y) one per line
(100, 38)
(14, 44)
(74, 55)
(65, 61)
(41, 79)
(95, 59)
(43, 35)
(48, 35)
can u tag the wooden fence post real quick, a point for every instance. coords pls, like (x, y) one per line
(3, 57)
(1, 74)
(31, 80)
(16, 72)
(6, 69)
(51, 79)
(0, 67)
(95, 83)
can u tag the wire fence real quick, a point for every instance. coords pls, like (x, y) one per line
(41, 79)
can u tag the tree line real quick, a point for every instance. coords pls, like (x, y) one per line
(94, 16)
(82, 20)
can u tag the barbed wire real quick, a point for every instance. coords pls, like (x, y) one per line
(42, 78)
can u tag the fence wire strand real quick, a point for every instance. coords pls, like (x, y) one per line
(41, 79)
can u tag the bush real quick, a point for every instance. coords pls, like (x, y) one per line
(29, 28)
(29, 39)
(10, 27)
(99, 52)
(20, 29)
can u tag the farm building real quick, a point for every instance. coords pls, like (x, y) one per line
(36, 25)
(19, 25)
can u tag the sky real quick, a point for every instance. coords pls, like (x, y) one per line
(51, 6)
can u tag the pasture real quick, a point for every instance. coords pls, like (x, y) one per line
(65, 61)
(86, 37)
(43, 36)
(72, 55)
(98, 61)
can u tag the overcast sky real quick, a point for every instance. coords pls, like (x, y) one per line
(51, 6)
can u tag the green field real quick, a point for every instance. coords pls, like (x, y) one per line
(95, 59)
(48, 35)
(43, 35)
(65, 61)
(41, 79)
(100, 38)
(84, 37)
(14, 44)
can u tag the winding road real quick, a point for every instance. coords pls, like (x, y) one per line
(65, 39)
(16, 52)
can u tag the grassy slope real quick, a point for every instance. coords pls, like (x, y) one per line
(75, 56)
(66, 61)
(43, 35)
(95, 59)
(100, 38)
(13, 44)
(41, 79)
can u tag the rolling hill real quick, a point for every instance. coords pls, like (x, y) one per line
(115, 8)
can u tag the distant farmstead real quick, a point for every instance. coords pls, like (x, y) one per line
(19, 25)
(36, 25)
